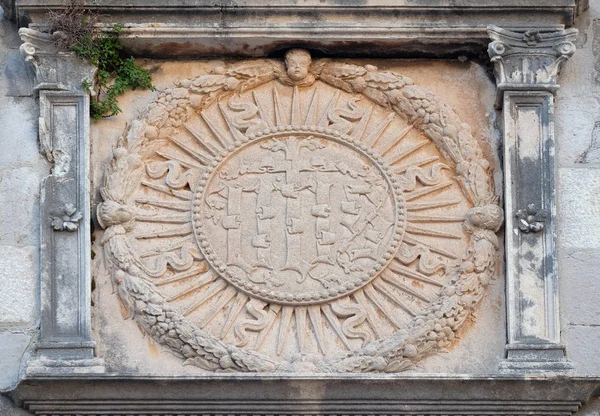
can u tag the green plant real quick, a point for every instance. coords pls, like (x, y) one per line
(116, 74)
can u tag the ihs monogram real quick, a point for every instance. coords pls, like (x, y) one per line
(323, 218)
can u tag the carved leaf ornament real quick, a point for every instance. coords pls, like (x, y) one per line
(300, 216)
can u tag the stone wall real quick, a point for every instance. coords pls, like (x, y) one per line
(578, 138)
(21, 171)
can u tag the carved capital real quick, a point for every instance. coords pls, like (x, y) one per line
(54, 69)
(529, 60)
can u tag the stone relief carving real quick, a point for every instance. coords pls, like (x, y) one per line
(307, 216)
(55, 69)
(67, 220)
(529, 59)
(531, 220)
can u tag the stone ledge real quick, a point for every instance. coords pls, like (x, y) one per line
(313, 394)
(421, 28)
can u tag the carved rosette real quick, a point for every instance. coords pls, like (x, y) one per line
(300, 217)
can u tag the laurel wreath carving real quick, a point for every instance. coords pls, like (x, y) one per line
(434, 329)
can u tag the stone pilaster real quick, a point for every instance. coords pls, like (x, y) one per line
(526, 67)
(65, 345)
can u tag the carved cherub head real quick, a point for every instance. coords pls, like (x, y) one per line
(297, 62)
(488, 217)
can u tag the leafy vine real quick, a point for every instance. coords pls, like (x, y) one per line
(116, 74)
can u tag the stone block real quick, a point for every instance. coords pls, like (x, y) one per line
(18, 117)
(579, 208)
(578, 137)
(582, 348)
(18, 281)
(12, 347)
(19, 76)
(579, 295)
(8, 32)
(19, 192)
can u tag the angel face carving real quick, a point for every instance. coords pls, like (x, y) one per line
(297, 62)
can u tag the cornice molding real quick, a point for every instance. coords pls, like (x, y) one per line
(273, 395)
(196, 28)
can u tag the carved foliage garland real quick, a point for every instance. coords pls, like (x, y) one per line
(271, 217)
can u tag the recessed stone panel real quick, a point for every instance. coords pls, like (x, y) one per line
(299, 216)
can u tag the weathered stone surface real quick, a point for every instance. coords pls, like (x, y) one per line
(579, 296)
(526, 65)
(21, 166)
(373, 28)
(579, 202)
(578, 106)
(256, 394)
(596, 49)
(12, 348)
(592, 408)
(582, 347)
(481, 345)
(579, 249)
(18, 280)
(21, 170)
(65, 345)
(17, 77)
(20, 181)
(8, 408)
(578, 126)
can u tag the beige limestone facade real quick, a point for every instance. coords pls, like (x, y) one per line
(322, 208)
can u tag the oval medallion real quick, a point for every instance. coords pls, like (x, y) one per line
(298, 215)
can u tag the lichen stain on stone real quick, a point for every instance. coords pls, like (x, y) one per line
(497, 305)
(418, 284)
(123, 311)
(530, 256)
(525, 302)
(152, 348)
(469, 323)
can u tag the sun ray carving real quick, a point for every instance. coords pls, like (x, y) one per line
(178, 277)
(203, 159)
(180, 194)
(202, 141)
(396, 141)
(373, 138)
(185, 163)
(218, 286)
(219, 136)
